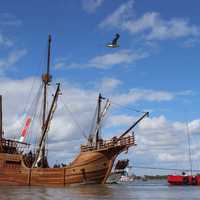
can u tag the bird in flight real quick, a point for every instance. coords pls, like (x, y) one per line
(114, 43)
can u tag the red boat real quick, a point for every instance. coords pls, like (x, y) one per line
(183, 180)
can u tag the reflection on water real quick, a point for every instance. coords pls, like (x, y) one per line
(137, 191)
(44, 193)
(91, 191)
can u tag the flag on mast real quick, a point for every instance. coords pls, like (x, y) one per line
(25, 129)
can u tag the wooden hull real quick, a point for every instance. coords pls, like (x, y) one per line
(88, 167)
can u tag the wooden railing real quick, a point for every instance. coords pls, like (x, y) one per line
(12, 146)
(114, 142)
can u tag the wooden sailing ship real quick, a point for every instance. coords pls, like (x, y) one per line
(92, 165)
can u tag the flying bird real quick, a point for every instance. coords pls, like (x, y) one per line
(114, 43)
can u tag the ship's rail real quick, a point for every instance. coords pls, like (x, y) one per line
(114, 142)
(11, 146)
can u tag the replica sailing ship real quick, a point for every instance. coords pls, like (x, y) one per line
(92, 165)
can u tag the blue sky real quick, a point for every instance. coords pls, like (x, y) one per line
(156, 67)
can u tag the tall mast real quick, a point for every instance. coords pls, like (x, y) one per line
(98, 116)
(189, 147)
(40, 153)
(1, 119)
(46, 78)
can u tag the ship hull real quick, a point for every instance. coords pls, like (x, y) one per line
(88, 167)
(183, 180)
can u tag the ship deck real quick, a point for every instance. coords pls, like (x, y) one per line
(114, 142)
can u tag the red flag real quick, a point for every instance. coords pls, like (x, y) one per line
(25, 129)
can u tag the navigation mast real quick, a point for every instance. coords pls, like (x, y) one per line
(189, 147)
(98, 116)
(46, 78)
(40, 160)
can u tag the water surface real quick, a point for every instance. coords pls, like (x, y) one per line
(157, 190)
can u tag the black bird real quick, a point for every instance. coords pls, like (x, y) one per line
(114, 42)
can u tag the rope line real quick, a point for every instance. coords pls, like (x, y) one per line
(75, 121)
(162, 168)
(127, 107)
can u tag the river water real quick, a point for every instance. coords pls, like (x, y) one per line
(157, 190)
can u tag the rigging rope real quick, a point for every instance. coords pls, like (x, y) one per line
(75, 121)
(127, 107)
(93, 125)
(28, 108)
(36, 105)
(32, 108)
(29, 95)
(39, 114)
(162, 168)
(38, 70)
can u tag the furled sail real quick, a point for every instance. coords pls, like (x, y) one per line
(93, 135)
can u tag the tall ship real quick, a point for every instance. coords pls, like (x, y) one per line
(93, 164)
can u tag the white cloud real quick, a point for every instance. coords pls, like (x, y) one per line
(106, 61)
(21, 93)
(157, 28)
(119, 16)
(5, 41)
(169, 157)
(151, 25)
(90, 6)
(164, 140)
(170, 137)
(154, 123)
(194, 126)
(159, 141)
(60, 63)
(191, 42)
(120, 120)
(135, 95)
(16, 95)
(68, 125)
(109, 84)
(12, 58)
(8, 19)
(121, 57)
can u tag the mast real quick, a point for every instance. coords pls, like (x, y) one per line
(100, 113)
(1, 119)
(189, 148)
(98, 117)
(46, 78)
(146, 114)
(40, 156)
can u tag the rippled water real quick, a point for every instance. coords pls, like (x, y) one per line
(136, 191)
